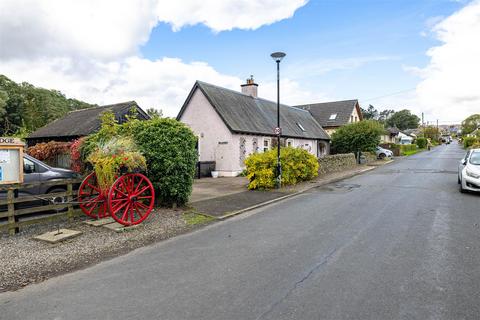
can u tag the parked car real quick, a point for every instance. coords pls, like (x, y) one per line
(36, 171)
(469, 171)
(383, 153)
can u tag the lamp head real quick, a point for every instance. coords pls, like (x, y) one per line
(278, 56)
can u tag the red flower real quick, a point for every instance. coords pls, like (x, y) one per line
(126, 159)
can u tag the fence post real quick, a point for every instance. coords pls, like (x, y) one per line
(69, 201)
(11, 211)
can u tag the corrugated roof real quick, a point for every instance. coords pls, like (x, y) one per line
(84, 122)
(322, 112)
(246, 114)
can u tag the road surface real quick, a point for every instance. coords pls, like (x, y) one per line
(399, 242)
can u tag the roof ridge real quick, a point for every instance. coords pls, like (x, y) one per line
(335, 101)
(248, 96)
(104, 106)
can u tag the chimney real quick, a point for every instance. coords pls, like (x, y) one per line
(250, 88)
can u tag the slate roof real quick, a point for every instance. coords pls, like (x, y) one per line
(246, 114)
(323, 111)
(393, 130)
(84, 122)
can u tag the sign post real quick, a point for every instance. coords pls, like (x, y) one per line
(11, 160)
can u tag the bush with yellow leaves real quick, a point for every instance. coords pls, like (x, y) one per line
(297, 165)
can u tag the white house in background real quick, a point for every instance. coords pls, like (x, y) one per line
(404, 138)
(231, 125)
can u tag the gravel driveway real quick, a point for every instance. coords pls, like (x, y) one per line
(24, 260)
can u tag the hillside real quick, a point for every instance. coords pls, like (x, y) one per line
(25, 108)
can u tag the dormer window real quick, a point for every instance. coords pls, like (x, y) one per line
(300, 126)
(333, 116)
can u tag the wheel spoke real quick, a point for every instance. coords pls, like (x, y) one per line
(115, 210)
(125, 212)
(143, 205)
(138, 185)
(93, 187)
(143, 189)
(138, 209)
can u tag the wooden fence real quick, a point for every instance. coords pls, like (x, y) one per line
(9, 205)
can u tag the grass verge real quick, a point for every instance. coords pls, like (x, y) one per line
(193, 218)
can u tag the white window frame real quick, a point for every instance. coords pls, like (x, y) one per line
(291, 141)
(269, 147)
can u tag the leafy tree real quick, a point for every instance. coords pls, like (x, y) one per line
(471, 123)
(357, 136)
(155, 113)
(384, 115)
(403, 119)
(431, 133)
(25, 108)
(370, 114)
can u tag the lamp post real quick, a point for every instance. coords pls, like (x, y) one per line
(278, 56)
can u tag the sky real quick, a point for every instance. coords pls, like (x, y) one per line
(421, 55)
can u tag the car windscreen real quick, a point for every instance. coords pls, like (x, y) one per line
(475, 158)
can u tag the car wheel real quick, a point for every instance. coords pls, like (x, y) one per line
(58, 190)
(382, 156)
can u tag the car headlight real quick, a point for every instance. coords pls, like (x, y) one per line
(472, 174)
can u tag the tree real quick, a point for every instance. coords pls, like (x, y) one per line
(431, 133)
(155, 113)
(357, 136)
(369, 114)
(403, 119)
(24, 107)
(384, 115)
(471, 123)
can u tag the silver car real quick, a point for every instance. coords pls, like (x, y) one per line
(469, 171)
(383, 153)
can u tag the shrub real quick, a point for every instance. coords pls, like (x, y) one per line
(407, 148)
(47, 151)
(77, 164)
(169, 148)
(422, 142)
(469, 141)
(358, 136)
(297, 165)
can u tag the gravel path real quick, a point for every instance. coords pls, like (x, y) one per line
(24, 260)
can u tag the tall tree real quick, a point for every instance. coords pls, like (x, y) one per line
(384, 115)
(403, 119)
(155, 113)
(24, 107)
(471, 123)
(370, 113)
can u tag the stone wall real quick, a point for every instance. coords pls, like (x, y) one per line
(336, 162)
(370, 156)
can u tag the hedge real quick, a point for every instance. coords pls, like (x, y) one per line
(358, 136)
(469, 141)
(422, 142)
(297, 165)
(407, 148)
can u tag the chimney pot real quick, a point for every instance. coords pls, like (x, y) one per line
(250, 88)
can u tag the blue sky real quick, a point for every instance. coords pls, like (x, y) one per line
(152, 51)
(366, 43)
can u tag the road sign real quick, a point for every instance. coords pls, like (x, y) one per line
(278, 131)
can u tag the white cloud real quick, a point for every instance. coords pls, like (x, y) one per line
(89, 49)
(450, 88)
(221, 15)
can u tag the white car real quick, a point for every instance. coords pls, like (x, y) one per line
(469, 171)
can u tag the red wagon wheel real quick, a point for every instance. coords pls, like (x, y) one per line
(92, 199)
(131, 199)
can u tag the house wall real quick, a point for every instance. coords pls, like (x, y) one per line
(217, 143)
(354, 117)
(214, 138)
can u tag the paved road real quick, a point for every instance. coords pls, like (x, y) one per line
(399, 242)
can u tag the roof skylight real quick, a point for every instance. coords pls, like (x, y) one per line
(300, 126)
(333, 116)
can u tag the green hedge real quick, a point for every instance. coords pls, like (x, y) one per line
(357, 136)
(422, 142)
(406, 148)
(169, 148)
(469, 141)
(297, 165)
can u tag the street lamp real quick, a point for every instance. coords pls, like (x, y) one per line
(278, 56)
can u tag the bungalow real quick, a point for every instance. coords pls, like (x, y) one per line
(334, 114)
(79, 123)
(390, 135)
(230, 125)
